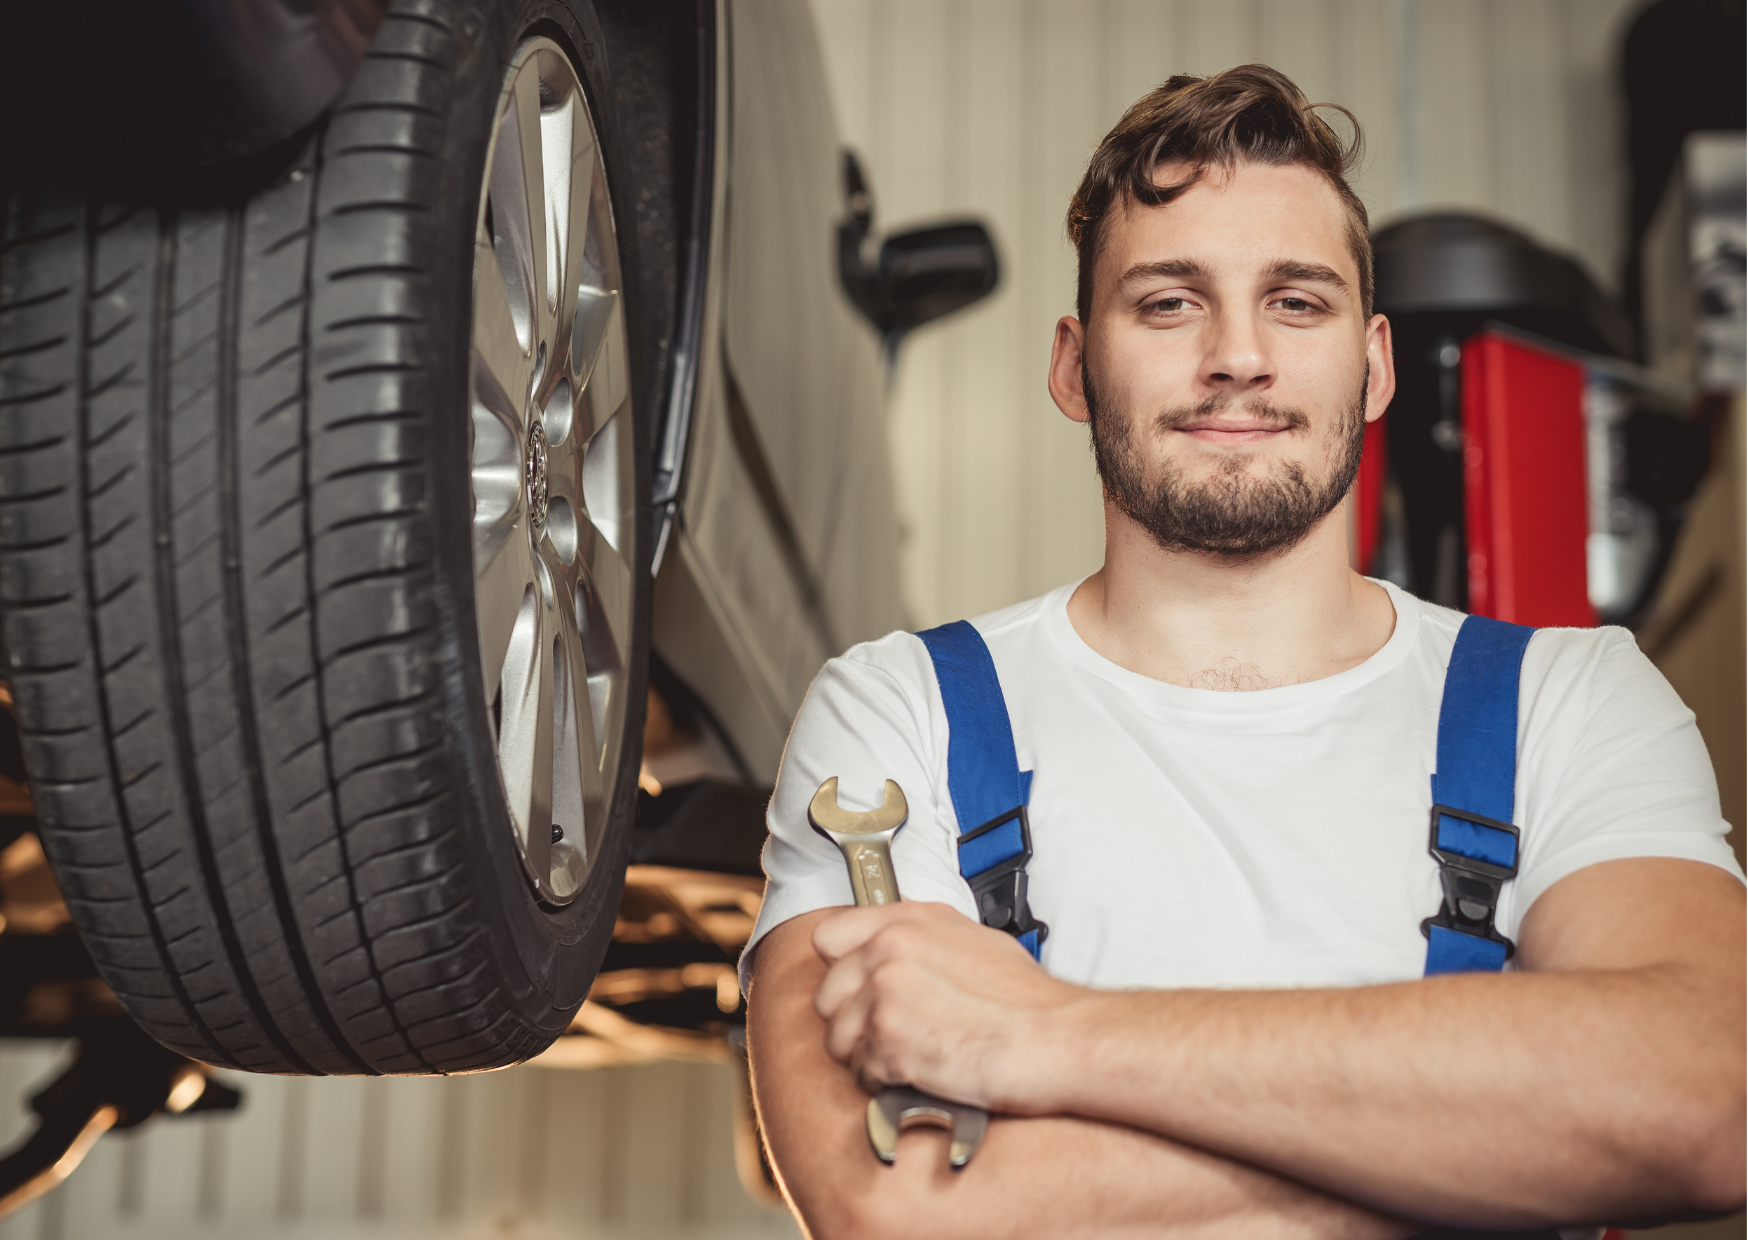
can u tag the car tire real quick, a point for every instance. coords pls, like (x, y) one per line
(242, 495)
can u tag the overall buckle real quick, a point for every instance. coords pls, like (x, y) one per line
(1471, 884)
(999, 851)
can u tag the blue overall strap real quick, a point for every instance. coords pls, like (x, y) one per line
(1473, 838)
(988, 788)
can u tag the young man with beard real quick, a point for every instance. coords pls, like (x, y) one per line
(1231, 736)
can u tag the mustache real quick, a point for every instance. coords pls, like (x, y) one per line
(1289, 417)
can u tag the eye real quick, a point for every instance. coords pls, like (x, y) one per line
(1294, 303)
(1166, 305)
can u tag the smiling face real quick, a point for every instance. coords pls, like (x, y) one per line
(1227, 367)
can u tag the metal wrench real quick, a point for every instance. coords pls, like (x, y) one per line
(866, 841)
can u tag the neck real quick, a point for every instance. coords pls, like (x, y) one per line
(1208, 622)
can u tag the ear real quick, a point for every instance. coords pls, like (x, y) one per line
(1067, 355)
(1381, 364)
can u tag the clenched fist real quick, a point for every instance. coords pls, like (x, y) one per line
(916, 994)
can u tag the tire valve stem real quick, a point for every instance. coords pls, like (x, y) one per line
(557, 833)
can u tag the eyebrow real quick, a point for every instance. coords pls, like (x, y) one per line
(1190, 269)
(1308, 273)
(1179, 268)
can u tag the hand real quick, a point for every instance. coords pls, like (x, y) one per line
(917, 994)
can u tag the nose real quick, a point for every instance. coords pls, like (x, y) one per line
(1237, 359)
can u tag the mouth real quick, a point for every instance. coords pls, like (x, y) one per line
(1232, 433)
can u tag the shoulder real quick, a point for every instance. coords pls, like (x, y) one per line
(1577, 652)
(1557, 660)
(1599, 680)
(900, 661)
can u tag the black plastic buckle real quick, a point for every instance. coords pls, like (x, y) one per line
(1000, 891)
(1471, 887)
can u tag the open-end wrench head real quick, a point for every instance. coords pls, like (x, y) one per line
(829, 817)
(898, 1107)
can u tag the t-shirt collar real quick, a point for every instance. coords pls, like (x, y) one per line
(1158, 697)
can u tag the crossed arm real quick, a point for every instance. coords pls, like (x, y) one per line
(1602, 1082)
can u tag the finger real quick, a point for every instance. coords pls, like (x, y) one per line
(841, 980)
(878, 1058)
(845, 1032)
(844, 932)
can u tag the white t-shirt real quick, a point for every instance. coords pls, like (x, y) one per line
(1190, 837)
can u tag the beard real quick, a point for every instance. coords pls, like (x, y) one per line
(1232, 515)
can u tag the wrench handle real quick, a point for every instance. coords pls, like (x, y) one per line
(871, 874)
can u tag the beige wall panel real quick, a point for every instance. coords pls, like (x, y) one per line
(25, 1068)
(1218, 34)
(984, 406)
(252, 1138)
(908, 133)
(576, 1144)
(651, 1132)
(171, 1186)
(1594, 166)
(1063, 521)
(1369, 83)
(1531, 126)
(333, 1147)
(640, 1153)
(93, 1206)
(1451, 86)
(1299, 37)
(1139, 38)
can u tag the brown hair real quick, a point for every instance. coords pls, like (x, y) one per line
(1252, 113)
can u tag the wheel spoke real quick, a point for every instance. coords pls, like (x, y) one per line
(501, 365)
(569, 150)
(605, 385)
(604, 486)
(573, 141)
(513, 214)
(537, 213)
(525, 728)
(500, 589)
(574, 794)
(610, 582)
(594, 312)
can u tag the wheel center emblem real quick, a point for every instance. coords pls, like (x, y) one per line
(536, 476)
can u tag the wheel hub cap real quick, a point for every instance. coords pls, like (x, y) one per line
(535, 471)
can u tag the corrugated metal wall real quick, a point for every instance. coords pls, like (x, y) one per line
(986, 106)
(993, 106)
(628, 1153)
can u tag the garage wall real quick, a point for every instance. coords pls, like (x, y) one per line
(993, 106)
(626, 1153)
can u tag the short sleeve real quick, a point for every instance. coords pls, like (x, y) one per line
(1611, 765)
(869, 716)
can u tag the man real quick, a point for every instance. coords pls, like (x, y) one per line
(1232, 736)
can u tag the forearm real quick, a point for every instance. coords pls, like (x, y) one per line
(1386, 1094)
(1053, 1176)
(1563, 1095)
(1035, 1176)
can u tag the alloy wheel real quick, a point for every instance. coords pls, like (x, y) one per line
(553, 489)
